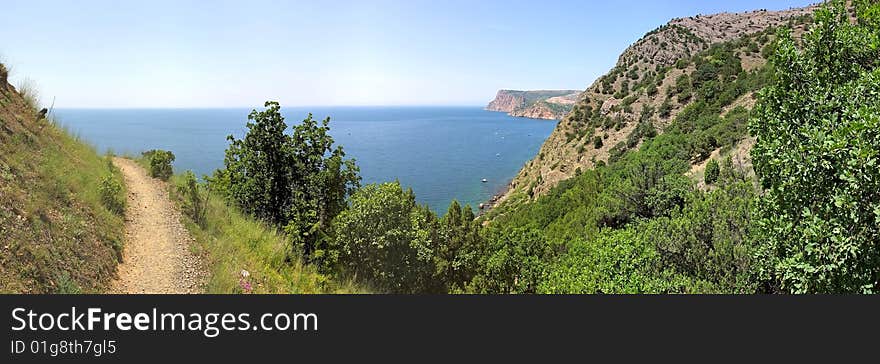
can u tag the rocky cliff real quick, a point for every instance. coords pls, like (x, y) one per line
(646, 87)
(543, 104)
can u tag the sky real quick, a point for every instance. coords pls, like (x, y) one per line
(169, 54)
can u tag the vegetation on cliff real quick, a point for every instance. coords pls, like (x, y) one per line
(654, 80)
(640, 224)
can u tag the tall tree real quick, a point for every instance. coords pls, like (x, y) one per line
(296, 181)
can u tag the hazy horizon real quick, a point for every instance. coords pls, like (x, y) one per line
(165, 54)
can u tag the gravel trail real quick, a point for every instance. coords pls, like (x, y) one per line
(157, 258)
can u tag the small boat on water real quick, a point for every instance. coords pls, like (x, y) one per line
(485, 180)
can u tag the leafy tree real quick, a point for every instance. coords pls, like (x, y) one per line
(386, 239)
(712, 171)
(296, 181)
(818, 158)
(458, 246)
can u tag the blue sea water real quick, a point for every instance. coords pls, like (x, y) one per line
(442, 153)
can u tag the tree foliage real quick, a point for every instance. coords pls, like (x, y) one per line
(513, 261)
(297, 181)
(818, 157)
(386, 239)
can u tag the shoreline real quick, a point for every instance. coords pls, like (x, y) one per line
(511, 114)
(497, 197)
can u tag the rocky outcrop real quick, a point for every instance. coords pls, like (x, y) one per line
(506, 101)
(543, 104)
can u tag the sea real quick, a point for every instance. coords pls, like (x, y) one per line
(442, 153)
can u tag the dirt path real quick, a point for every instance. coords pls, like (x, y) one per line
(157, 258)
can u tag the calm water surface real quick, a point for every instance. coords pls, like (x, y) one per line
(443, 153)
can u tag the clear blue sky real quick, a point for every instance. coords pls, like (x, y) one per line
(309, 53)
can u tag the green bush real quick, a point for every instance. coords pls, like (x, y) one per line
(195, 201)
(682, 63)
(383, 239)
(712, 172)
(514, 261)
(111, 194)
(597, 142)
(160, 163)
(665, 109)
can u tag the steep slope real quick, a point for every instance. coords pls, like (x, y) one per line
(653, 81)
(58, 233)
(543, 104)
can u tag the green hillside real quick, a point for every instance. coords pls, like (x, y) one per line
(60, 204)
(806, 221)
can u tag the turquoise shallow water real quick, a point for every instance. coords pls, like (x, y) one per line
(443, 153)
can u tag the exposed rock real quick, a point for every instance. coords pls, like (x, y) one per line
(506, 101)
(543, 104)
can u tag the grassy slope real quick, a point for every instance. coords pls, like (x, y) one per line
(231, 242)
(58, 237)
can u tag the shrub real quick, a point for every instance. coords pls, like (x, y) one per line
(515, 261)
(683, 84)
(712, 172)
(160, 163)
(195, 201)
(682, 63)
(111, 195)
(597, 142)
(665, 109)
(382, 238)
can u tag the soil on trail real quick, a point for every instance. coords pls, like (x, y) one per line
(157, 258)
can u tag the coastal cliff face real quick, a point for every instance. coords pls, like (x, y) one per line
(506, 101)
(645, 87)
(543, 104)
